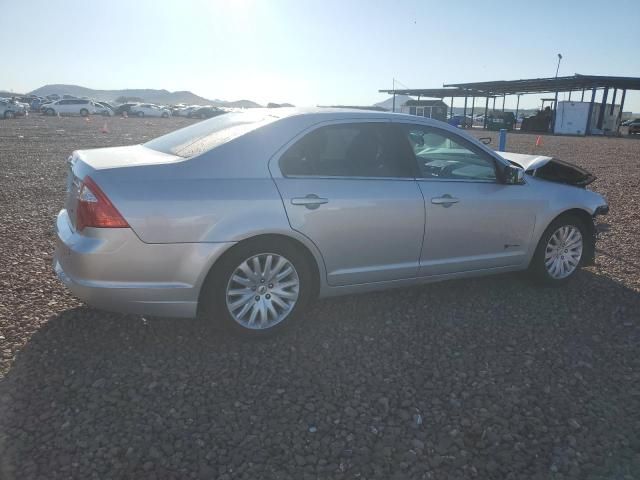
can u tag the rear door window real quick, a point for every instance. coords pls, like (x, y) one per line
(348, 150)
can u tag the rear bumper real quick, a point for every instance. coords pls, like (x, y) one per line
(114, 270)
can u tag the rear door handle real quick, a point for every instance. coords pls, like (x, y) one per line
(445, 200)
(311, 201)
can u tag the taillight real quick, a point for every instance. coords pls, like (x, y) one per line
(95, 209)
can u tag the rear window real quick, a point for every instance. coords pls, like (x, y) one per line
(203, 136)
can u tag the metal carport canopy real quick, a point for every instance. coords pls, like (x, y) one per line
(435, 92)
(545, 85)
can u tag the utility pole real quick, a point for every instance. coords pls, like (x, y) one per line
(555, 101)
(393, 109)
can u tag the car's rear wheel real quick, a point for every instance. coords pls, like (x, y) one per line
(84, 112)
(140, 114)
(259, 287)
(560, 252)
(165, 115)
(9, 114)
(50, 111)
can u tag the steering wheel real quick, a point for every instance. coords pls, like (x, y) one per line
(447, 170)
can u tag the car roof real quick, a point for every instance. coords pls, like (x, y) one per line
(339, 112)
(322, 114)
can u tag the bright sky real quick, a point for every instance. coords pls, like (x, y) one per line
(311, 52)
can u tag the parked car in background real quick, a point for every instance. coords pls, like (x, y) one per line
(176, 109)
(184, 112)
(70, 106)
(634, 126)
(124, 108)
(246, 216)
(104, 108)
(205, 112)
(461, 121)
(150, 110)
(10, 108)
(36, 103)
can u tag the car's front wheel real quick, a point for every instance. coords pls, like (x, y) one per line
(84, 112)
(258, 287)
(560, 251)
(140, 114)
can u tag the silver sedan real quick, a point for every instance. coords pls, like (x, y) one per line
(246, 217)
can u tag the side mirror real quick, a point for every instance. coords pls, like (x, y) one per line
(485, 140)
(512, 175)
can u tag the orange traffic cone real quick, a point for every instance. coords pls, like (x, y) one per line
(539, 141)
(105, 128)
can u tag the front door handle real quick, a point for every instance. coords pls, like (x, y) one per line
(445, 200)
(311, 201)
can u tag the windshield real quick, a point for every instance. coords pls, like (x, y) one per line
(203, 136)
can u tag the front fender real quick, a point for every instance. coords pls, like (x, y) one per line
(562, 199)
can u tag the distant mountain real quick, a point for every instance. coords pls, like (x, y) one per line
(164, 97)
(236, 104)
(279, 105)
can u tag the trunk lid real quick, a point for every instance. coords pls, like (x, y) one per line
(117, 157)
(87, 162)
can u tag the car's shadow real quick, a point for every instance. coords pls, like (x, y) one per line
(89, 380)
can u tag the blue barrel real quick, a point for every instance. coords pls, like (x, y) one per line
(502, 143)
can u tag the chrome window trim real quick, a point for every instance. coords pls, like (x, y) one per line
(458, 180)
(342, 177)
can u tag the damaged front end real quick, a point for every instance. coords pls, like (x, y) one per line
(555, 170)
(550, 169)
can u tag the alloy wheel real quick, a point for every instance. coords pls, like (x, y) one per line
(563, 252)
(262, 291)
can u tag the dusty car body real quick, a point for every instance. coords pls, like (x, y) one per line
(11, 108)
(161, 228)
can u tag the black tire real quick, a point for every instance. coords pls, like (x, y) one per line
(213, 295)
(537, 268)
(84, 112)
(165, 115)
(9, 114)
(50, 111)
(140, 114)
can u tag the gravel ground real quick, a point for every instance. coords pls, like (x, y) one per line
(490, 378)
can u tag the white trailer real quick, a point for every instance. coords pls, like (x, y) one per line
(572, 118)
